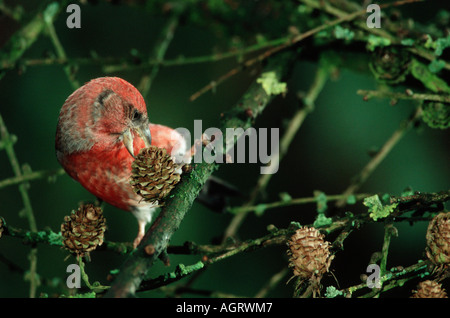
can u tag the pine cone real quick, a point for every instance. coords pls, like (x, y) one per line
(84, 229)
(436, 115)
(154, 174)
(438, 240)
(429, 289)
(309, 254)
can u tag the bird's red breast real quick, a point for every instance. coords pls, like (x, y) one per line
(105, 172)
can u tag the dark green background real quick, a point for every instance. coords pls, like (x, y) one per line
(329, 149)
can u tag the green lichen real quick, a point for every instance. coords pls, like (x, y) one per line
(321, 200)
(295, 225)
(343, 33)
(285, 197)
(183, 270)
(50, 12)
(407, 42)
(407, 192)
(351, 199)
(439, 45)
(374, 41)
(377, 209)
(332, 292)
(322, 220)
(55, 238)
(81, 295)
(114, 271)
(436, 65)
(260, 209)
(271, 84)
(430, 80)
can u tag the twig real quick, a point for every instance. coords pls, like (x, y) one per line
(293, 41)
(271, 51)
(181, 61)
(420, 51)
(16, 13)
(220, 253)
(180, 272)
(338, 243)
(393, 279)
(8, 145)
(381, 154)
(160, 50)
(22, 40)
(95, 286)
(328, 8)
(294, 201)
(31, 176)
(407, 96)
(55, 239)
(418, 198)
(293, 126)
(13, 267)
(214, 253)
(179, 290)
(274, 280)
(68, 69)
(346, 224)
(389, 231)
(43, 281)
(117, 64)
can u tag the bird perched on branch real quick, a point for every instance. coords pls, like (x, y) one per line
(102, 127)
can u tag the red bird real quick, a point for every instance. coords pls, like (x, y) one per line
(101, 127)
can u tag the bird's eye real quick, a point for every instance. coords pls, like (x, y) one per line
(136, 115)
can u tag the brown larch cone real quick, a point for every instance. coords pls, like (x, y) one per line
(429, 289)
(83, 230)
(309, 255)
(438, 240)
(154, 174)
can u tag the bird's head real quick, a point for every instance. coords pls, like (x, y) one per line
(104, 113)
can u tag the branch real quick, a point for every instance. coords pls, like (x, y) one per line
(8, 143)
(164, 40)
(55, 239)
(293, 126)
(394, 279)
(380, 155)
(294, 201)
(22, 40)
(341, 18)
(419, 51)
(124, 65)
(31, 176)
(61, 53)
(408, 95)
(212, 254)
(261, 57)
(157, 237)
(389, 231)
(15, 13)
(117, 64)
(274, 280)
